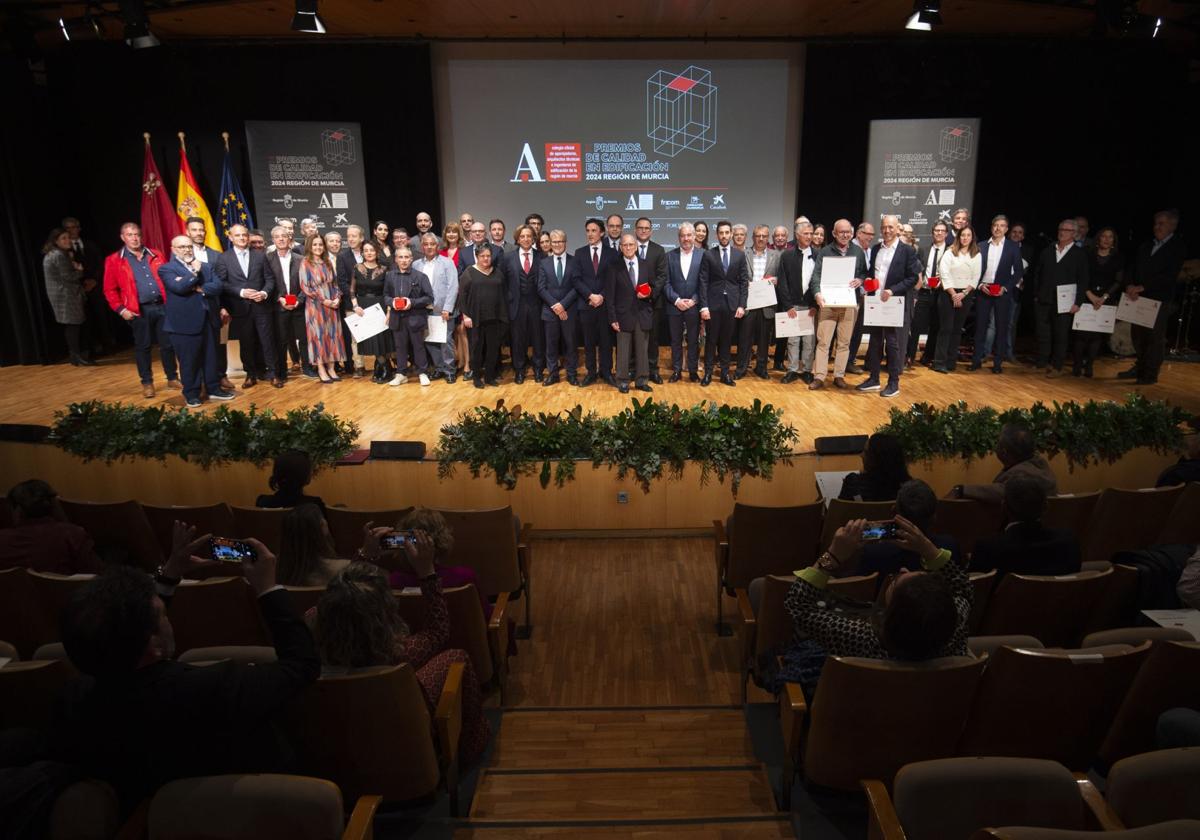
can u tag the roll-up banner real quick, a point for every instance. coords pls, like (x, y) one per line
(308, 170)
(920, 170)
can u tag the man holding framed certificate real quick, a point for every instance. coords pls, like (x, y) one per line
(894, 265)
(839, 271)
(1062, 283)
(1153, 273)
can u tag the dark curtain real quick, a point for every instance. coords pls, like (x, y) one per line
(82, 152)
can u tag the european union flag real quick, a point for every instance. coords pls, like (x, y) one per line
(234, 208)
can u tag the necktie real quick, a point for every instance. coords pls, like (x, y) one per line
(642, 252)
(558, 268)
(243, 256)
(526, 263)
(633, 272)
(725, 258)
(595, 258)
(937, 258)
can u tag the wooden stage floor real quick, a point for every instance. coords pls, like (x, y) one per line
(31, 394)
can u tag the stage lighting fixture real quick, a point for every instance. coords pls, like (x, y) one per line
(137, 25)
(307, 19)
(926, 14)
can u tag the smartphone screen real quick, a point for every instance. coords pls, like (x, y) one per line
(231, 551)
(399, 539)
(879, 531)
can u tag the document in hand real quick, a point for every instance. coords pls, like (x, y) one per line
(1143, 311)
(1091, 319)
(1065, 298)
(881, 313)
(371, 322)
(436, 330)
(836, 276)
(786, 327)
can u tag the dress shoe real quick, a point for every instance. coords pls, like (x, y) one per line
(623, 387)
(608, 379)
(892, 390)
(807, 377)
(816, 384)
(495, 383)
(550, 380)
(174, 385)
(762, 374)
(82, 361)
(779, 366)
(437, 374)
(997, 370)
(588, 380)
(871, 384)
(573, 380)
(249, 383)
(975, 366)
(839, 382)
(675, 377)
(519, 379)
(276, 382)
(1087, 370)
(939, 369)
(1076, 371)
(538, 377)
(642, 386)
(707, 380)
(741, 374)
(790, 377)
(1053, 373)
(478, 383)
(656, 379)
(311, 373)
(360, 372)
(451, 378)
(226, 385)
(147, 391)
(1132, 373)
(853, 370)
(693, 376)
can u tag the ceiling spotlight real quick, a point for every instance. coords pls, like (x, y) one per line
(926, 14)
(137, 25)
(306, 18)
(1157, 26)
(62, 24)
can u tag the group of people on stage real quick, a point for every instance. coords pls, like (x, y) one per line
(287, 299)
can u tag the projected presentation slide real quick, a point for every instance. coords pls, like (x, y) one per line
(676, 139)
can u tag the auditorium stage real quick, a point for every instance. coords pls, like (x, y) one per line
(31, 394)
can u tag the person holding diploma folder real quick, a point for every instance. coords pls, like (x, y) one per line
(894, 265)
(839, 318)
(959, 271)
(1105, 280)
(366, 290)
(408, 296)
(1153, 273)
(1061, 266)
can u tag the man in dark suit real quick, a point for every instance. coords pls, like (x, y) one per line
(248, 299)
(193, 290)
(559, 313)
(197, 231)
(614, 226)
(282, 272)
(140, 719)
(656, 256)
(630, 289)
(100, 318)
(1000, 263)
(592, 263)
(725, 302)
(1061, 264)
(893, 262)
(1154, 273)
(520, 271)
(687, 283)
(1025, 546)
(408, 324)
(477, 235)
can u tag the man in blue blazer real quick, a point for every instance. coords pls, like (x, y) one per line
(591, 267)
(193, 299)
(685, 291)
(247, 294)
(725, 302)
(557, 291)
(1001, 264)
(894, 263)
(520, 270)
(196, 230)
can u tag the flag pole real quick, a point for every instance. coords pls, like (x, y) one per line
(225, 138)
(182, 144)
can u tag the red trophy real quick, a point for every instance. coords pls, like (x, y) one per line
(399, 303)
(643, 289)
(933, 282)
(290, 300)
(871, 285)
(994, 289)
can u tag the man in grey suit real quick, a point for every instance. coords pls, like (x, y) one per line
(687, 282)
(758, 325)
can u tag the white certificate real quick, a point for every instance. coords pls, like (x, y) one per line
(1066, 298)
(786, 327)
(836, 275)
(1143, 311)
(883, 313)
(1091, 319)
(372, 322)
(760, 294)
(436, 330)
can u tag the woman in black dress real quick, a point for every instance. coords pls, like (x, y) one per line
(366, 289)
(701, 229)
(485, 314)
(1105, 280)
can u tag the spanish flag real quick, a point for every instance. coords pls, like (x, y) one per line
(189, 203)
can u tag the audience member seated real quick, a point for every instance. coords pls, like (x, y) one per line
(924, 613)
(1026, 546)
(434, 524)
(41, 537)
(1188, 467)
(306, 553)
(884, 470)
(139, 719)
(1015, 449)
(1188, 588)
(916, 502)
(292, 473)
(1177, 728)
(358, 625)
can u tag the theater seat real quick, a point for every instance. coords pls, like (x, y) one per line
(1155, 787)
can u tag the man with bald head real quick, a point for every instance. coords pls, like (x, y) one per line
(247, 295)
(894, 263)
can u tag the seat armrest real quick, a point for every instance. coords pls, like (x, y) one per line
(449, 712)
(744, 606)
(1098, 815)
(496, 621)
(361, 825)
(882, 821)
(720, 548)
(524, 549)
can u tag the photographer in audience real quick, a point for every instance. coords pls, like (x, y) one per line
(916, 503)
(1018, 455)
(140, 719)
(1026, 546)
(41, 538)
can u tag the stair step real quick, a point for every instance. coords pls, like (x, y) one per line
(775, 828)
(623, 795)
(615, 739)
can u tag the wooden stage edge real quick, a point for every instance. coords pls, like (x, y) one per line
(32, 394)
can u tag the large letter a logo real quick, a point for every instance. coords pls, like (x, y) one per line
(527, 169)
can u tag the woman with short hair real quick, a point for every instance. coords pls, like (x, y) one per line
(485, 314)
(64, 288)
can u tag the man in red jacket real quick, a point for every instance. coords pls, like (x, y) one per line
(133, 290)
